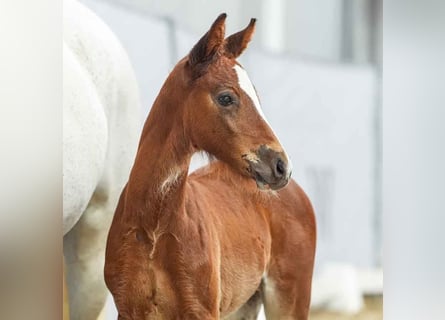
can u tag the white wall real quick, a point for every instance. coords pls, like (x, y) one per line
(314, 28)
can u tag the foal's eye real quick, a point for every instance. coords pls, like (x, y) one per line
(225, 99)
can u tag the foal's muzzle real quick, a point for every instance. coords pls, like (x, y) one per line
(271, 169)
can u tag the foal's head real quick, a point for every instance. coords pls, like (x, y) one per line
(222, 112)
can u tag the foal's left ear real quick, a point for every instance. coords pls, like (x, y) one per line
(210, 43)
(236, 43)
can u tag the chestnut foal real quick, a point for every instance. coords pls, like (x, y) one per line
(214, 244)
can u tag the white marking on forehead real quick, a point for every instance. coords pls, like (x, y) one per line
(245, 84)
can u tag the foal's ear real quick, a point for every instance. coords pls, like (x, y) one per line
(236, 43)
(209, 44)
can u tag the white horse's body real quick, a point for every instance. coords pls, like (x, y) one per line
(101, 125)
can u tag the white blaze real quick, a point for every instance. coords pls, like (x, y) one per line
(245, 84)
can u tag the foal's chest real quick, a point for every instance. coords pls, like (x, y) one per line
(244, 261)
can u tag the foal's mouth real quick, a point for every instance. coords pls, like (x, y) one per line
(269, 169)
(263, 183)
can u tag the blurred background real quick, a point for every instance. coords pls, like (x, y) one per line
(316, 65)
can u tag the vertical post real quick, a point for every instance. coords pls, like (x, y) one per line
(347, 54)
(375, 53)
(273, 25)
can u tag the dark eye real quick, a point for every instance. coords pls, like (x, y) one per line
(225, 99)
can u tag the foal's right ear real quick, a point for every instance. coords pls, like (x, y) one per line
(210, 43)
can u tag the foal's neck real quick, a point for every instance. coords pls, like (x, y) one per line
(156, 186)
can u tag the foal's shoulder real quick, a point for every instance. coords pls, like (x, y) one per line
(294, 191)
(294, 200)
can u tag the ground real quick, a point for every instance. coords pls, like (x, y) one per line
(373, 310)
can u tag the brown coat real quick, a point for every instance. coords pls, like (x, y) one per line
(210, 245)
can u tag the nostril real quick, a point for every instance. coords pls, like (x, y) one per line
(281, 167)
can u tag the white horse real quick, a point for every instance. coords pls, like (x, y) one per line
(101, 126)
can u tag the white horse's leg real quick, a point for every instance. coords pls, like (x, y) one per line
(84, 248)
(102, 314)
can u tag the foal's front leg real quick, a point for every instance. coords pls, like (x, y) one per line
(287, 285)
